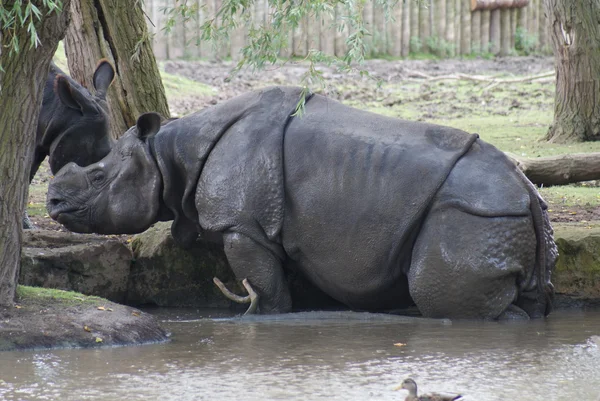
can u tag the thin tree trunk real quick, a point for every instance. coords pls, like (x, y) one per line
(576, 42)
(22, 82)
(117, 30)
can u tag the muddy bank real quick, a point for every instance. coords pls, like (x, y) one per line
(43, 318)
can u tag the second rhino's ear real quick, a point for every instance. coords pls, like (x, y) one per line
(103, 77)
(69, 95)
(148, 124)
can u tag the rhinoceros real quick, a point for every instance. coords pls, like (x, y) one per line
(377, 212)
(73, 123)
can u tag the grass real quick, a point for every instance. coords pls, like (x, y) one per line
(178, 86)
(39, 294)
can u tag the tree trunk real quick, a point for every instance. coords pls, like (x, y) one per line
(575, 34)
(116, 30)
(560, 170)
(22, 84)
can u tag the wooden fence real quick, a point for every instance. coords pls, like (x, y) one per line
(442, 27)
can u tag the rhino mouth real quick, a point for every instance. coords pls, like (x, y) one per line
(73, 218)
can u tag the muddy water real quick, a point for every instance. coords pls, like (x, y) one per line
(328, 356)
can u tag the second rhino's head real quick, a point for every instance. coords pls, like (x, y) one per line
(120, 194)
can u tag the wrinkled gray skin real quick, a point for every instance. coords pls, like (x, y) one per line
(73, 123)
(376, 212)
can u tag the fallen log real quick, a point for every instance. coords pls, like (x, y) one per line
(559, 170)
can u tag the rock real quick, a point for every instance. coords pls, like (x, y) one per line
(577, 270)
(89, 264)
(167, 275)
(45, 318)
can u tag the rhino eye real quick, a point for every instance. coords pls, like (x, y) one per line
(97, 177)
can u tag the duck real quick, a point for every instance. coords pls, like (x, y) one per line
(411, 386)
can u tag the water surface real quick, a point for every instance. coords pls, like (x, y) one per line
(326, 356)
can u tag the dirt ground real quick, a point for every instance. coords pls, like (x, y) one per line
(341, 86)
(350, 88)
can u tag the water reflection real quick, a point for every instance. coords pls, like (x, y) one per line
(331, 358)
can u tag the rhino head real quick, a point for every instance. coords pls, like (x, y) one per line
(120, 194)
(78, 131)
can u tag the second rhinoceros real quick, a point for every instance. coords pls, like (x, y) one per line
(377, 212)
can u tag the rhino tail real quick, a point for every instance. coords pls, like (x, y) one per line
(537, 296)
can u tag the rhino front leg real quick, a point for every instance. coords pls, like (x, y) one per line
(263, 270)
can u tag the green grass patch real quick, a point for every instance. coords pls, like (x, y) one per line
(35, 209)
(178, 86)
(37, 294)
(566, 196)
(60, 58)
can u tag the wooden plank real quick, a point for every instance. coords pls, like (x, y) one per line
(476, 32)
(485, 31)
(414, 26)
(497, 4)
(424, 26)
(327, 34)
(514, 13)
(495, 31)
(505, 32)
(465, 28)
(450, 29)
(367, 14)
(395, 32)
(341, 33)
(405, 29)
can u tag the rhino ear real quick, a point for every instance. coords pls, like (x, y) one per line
(68, 95)
(103, 77)
(148, 124)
